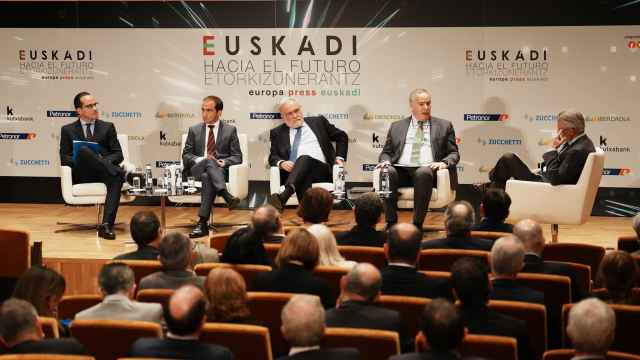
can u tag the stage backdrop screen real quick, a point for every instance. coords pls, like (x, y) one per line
(501, 87)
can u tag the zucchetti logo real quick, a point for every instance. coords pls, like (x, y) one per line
(499, 141)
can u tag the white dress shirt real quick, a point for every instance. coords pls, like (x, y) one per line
(426, 156)
(309, 144)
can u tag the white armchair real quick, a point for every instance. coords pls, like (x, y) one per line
(560, 204)
(91, 193)
(275, 187)
(441, 196)
(238, 184)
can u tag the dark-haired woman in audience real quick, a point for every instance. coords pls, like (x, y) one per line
(43, 288)
(227, 295)
(246, 246)
(315, 206)
(618, 274)
(297, 258)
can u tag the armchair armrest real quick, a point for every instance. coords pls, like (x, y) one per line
(238, 184)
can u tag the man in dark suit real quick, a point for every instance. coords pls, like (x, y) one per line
(470, 280)
(246, 245)
(211, 147)
(367, 212)
(507, 260)
(303, 327)
(145, 231)
(401, 277)
(94, 167)
(176, 256)
(530, 233)
(591, 328)
(458, 219)
(442, 330)
(494, 209)
(301, 148)
(355, 309)
(184, 314)
(415, 149)
(20, 332)
(561, 165)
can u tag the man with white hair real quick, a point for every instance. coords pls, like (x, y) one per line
(530, 233)
(591, 328)
(636, 227)
(301, 148)
(303, 328)
(561, 165)
(507, 259)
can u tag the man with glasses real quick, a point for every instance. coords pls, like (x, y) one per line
(89, 166)
(415, 149)
(561, 165)
(301, 148)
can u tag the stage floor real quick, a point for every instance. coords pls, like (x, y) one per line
(79, 254)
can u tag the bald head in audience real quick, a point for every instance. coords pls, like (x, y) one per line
(403, 244)
(362, 283)
(530, 233)
(185, 313)
(591, 327)
(266, 220)
(506, 257)
(303, 321)
(459, 218)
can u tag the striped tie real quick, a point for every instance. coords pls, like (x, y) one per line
(211, 142)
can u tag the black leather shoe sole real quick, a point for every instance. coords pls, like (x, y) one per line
(274, 200)
(199, 231)
(105, 234)
(233, 203)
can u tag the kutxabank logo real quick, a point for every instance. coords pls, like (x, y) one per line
(12, 115)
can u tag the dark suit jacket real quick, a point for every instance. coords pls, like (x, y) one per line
(360, 314)
(143, 253)
(407, 281)
(432, 355)
(443, 144)
(178, 349)
(487, 224)
(324, 131)
(295, 279)
(455, 242)
(245, 248)
(360, 236)
(507, 289)
(328, 354)
(484, 321)
(104, 133)
(227, 145)
(172, 279)
(566, 167)
(535, 264)
(49, 346)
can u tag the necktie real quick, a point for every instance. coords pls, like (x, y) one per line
(211, 142)
(296, 144)
(89, 133)
(417, 143)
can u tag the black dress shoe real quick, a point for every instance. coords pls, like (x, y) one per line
(233, 203)
(202, 229)
(275, 201)
(105, 231)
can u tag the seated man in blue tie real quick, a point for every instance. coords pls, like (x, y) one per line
(301, 148)
(211, 147)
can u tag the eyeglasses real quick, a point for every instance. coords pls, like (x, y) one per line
(90, 106)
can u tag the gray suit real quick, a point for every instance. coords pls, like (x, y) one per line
(172, 279)
(120, 307)
(443, 148)
(208, 171)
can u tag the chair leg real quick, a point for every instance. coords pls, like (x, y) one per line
(84, 227)
(554, 233)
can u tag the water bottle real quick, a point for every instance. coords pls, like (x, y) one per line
(339, 183)
(148, 179)
(178, 177)
(167, 180)
(385, 185)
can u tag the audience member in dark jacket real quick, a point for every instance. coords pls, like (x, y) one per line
(470, 281)
(507, 259)
(355, 308)
(303, 324)
(530, 233)
(442, 332)
(494, 209)
(20, 332)
(145, 231)
(459, 218)
(401, 277)
(367, 212)
(297, 258)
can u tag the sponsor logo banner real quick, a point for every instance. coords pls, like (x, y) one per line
(17, 136)
(62, 113)
(616, 171)
(57, 64)
(265, 115)
(12, 115)
(164, 163)
(486, 117)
